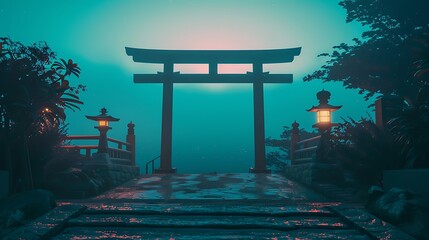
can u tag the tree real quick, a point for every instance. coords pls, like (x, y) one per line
(34, 94)
(410, 129)
(382, 61)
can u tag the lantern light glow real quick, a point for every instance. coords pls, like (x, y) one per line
(103, 123)
(324, 110)
(324, 116)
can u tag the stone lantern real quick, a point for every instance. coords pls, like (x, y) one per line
(103, 126)
(324, 122)
(324, 111)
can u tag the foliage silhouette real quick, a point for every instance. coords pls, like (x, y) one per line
(410, 127)
(410, 130)
(364, 150)
(381, 62)
(34, 94)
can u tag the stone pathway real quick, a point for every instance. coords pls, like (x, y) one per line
(236, 186)
(208, 206)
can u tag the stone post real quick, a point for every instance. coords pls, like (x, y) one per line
(294, 138)
(102, 142)
(131, 139)
(324, 145)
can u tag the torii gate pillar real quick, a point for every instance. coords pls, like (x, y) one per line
(167, 121)
(259, 121)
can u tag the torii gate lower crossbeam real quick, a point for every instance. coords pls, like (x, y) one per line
(168, 77)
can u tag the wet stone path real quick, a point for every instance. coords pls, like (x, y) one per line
(208, 206)
(236, 186)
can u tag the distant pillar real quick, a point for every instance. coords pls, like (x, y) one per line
(259, 125)
(294, 138)
(167, 121)
(378, 114)
(386, 108)
(131, 139)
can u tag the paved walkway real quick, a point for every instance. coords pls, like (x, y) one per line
(244, 186)
(208, 206)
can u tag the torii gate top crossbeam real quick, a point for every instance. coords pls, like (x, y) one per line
(213, 56)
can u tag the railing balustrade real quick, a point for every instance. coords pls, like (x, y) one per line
(305, 150)
(123, 153)
(302, 151)
(152, 164)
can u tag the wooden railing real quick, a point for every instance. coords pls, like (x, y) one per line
(123, 153)
(302, 151)
(305, 150)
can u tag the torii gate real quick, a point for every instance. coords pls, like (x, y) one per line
(213, 57)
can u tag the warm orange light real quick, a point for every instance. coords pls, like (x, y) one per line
(323, 116)
(103, 123)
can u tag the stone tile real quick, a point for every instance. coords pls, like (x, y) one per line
(212, 186)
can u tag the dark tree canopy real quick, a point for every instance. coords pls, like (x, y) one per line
(34, 93)
(388, 55)
(383, 16)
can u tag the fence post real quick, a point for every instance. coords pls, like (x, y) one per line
(131, 139)
(294, 138)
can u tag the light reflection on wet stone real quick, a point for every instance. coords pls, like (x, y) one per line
(212, 186)
(215, 206)
(203, 234)
(189, 208)
(209, 221)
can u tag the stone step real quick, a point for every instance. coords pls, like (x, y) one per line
(205, 234)
(206, 221)
(231, 209)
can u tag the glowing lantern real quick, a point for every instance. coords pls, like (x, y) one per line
(103, 126)
(103, 123)
(324, 111)
(324, 116)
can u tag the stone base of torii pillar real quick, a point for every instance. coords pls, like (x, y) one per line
(165, 171)
(255, 170)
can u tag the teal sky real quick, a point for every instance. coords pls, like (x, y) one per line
(213, 124)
